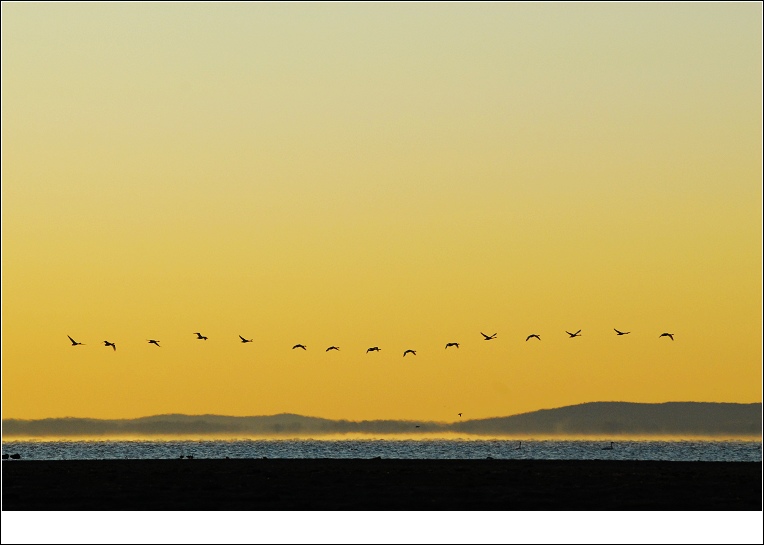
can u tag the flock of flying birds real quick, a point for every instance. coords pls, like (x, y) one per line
(201, 337)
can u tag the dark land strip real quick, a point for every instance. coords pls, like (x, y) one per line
(379, 484)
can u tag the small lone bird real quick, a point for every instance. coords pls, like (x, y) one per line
(532, 336)
(152, 341)
(621, 332)
(200, 337)
(333, 348)
(460, 415)
(608, 448)
(299, 346)
(74, 343)
(107, 343)
(669, 335)
(245, 340)
(373, 349)
(409, 352)
(576, 334)
(452, 344)
(488, 337)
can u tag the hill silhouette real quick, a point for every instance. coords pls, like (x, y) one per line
(597, 418)
(621, 418)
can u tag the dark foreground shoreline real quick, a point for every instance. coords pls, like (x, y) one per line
(379, 484)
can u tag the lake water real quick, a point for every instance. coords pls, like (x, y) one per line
(711, 451)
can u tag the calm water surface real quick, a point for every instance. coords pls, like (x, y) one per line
(711, 451)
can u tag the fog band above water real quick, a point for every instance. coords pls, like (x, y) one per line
(611, 419)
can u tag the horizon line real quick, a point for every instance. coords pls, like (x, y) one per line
(155, 415)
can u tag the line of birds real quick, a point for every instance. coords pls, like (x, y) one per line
(201, 337)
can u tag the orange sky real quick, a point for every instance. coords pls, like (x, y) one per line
(379, 175)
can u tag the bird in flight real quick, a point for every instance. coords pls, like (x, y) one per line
(74, 343)
(299, 346)
(107, 343)
(452, 344)
(409, 351)
(333, 348)
(245, 340)
(488, 337)
(152, 341)
(200, 337)
(373, 349)
(460, 415)
(669, 335)
(621, 332)
(532, 336)
(576, 334)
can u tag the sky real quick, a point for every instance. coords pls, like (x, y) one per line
(390, 175)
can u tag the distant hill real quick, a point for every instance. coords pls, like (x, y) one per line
(620, 418)
(598, 418)
(180, 424)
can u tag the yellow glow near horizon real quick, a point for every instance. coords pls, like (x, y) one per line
(379, 175)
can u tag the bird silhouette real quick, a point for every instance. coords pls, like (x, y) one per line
(519, 445)
(107, 343)
(74, 343)
(245, 340)
(152, 341)
(452, 344)
(460, 415)
(669, 335)
(621, 332)
(373, 349)
(532, 336)
(299, 346)
(333, 348)
(200, 337)
(576, 334)
(608, 448)
(488, 337)
(409, 352)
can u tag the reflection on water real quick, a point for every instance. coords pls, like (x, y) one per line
(707, 451)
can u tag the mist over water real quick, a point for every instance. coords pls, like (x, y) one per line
(707, 451)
